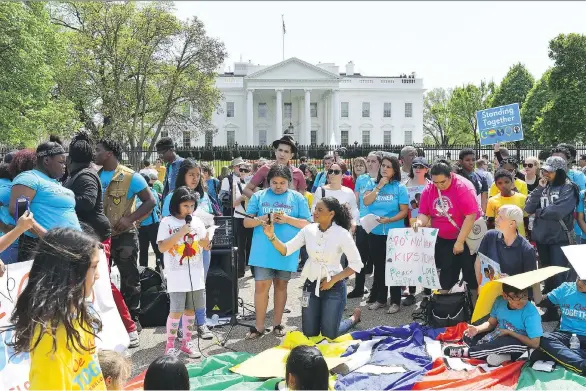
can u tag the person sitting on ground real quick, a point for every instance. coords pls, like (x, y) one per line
(166, 373)
(507, 196)
(115, 368)
(306, 369)
(571, 298)
(52, 318)
(514, 325)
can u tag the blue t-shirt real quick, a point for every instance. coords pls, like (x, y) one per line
(262, 252)
(577, 176)
(363, 184)
(53, 205)
(137, 183)
(172, 170)
(319, 180)
(573, 305)
(203, 204)
(5, 188)
(153, 217)
(387, 204)
(525, 321)
(213, 183)
(580, 209)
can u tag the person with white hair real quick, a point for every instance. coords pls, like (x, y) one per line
(505, 246)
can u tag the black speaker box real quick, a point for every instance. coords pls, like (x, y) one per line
(218, 292)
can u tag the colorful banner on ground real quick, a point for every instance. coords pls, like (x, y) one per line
(499, 124)
(411, 258)
(14, 369)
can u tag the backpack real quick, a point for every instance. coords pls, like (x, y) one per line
(448, 309)
(155, 302)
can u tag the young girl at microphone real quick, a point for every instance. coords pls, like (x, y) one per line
(182, 239)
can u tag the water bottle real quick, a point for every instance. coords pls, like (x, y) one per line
(215, 320)
(490, 336)
(574, 342)
(531, 220)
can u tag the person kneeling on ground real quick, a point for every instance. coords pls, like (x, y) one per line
(324, 290)
(306, 369)
(571, 298)
(514, 324)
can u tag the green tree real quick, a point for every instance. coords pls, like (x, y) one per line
(464, 104)
(563, 118)
(437, 129)
(31, 54)
(141, 70)
(514, 87)
(536, 100)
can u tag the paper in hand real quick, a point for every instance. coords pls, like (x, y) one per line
(369, 222)
(211, 230)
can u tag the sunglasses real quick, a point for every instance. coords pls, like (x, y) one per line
(244, 170)
(335, 172)
(528, 165)
(418, 166)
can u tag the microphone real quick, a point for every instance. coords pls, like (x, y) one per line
(188, 219)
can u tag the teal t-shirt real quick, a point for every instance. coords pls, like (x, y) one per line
(573, 306)
(387, 204)
(525, 321)
(153, 217)
(137, 183)
(363, 184)
(5, 217)
(53, 205)
(203, 204)
(262, 252)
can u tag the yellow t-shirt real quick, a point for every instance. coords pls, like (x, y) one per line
(519, 184)
(64, 369)
(309, 197)
(494, 203)
(161, 171)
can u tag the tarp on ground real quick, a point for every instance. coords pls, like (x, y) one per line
(559, 379)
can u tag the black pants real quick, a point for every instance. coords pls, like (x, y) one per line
(378, 246)
(364, 250)
(552, 255)
(500, 345)
(124, 254)
(26, 248)
(148, 235)
(556, 345)
(244, 242)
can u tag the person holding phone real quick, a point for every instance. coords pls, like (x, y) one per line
(24, 223)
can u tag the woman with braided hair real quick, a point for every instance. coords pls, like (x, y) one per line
(324, 291)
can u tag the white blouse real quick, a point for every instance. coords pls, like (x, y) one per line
(345, 196)
(325, 250)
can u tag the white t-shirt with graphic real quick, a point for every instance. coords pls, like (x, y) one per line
(185, 257)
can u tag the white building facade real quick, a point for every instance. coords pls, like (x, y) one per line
(317, 104)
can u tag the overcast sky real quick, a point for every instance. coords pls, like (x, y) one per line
(445, 43)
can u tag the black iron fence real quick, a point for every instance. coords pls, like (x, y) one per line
(219, 157)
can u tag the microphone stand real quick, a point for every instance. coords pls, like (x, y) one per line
(234, 321)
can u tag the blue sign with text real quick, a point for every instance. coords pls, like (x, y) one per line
(499, 124)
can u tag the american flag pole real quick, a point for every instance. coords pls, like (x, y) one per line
(284, 31)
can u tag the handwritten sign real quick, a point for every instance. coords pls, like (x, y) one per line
(489, 269)
(411, 258)
(14, 369)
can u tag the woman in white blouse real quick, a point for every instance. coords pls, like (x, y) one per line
(324, 291)
(335, 189)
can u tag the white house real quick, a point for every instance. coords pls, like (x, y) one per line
(318, 103)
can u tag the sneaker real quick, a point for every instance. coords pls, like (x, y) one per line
(138, 326)
(454, 351)
(408, 301)
(134, 341)
(376, 305)
(356, 293)
(190, 351)
(204, 332)
(393, 309)
(495, 360)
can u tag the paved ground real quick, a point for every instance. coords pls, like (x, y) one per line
(152, 340)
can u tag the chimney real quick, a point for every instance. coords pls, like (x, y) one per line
(350, 69)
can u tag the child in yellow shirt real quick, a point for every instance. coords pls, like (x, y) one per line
(503, 179)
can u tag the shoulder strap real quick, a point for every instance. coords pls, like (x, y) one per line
(240, 190)
(323, 192)
(446, 214)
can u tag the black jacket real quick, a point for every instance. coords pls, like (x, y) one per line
(89, 205)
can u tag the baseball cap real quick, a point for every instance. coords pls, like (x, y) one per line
(554, 163)
(420, 161)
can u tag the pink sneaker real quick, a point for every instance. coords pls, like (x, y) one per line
(190, 351)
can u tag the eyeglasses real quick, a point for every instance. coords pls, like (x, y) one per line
(244, 170)
(335, 172)
(518, 298)
(528, 165)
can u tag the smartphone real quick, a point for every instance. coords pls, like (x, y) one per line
(269, 215)
(22, 205)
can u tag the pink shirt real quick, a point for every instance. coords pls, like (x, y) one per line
(459, 199)
(298, 182)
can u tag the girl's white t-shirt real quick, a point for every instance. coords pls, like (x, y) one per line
(183, 262)
(345, 196)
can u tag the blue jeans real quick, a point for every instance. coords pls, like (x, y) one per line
(324, 313)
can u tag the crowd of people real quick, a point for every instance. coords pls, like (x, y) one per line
(60, 208)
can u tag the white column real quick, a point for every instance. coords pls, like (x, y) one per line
(336, 116)
(249, 118)
(307, 121)
(279, 116)
(332, 128)
(321, 113)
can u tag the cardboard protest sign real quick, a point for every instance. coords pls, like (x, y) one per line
(499, 124)
(414, 198)
(489, 269)
(493, 289)
(411, 258)
(575, 255)
(14, 369)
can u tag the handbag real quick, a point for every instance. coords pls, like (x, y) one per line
(476, 233)
(449, 309)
